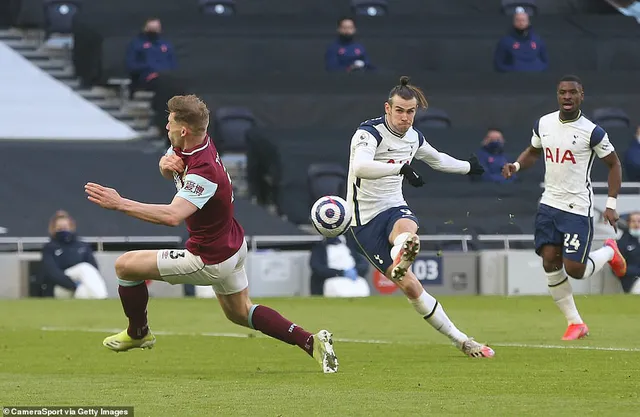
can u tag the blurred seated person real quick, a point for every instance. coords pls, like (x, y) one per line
(345, 54)
(629, 245)
(148, 56)
(492, 157)
(632, 159)
(68, 264)
(522, 49)
(337, 270)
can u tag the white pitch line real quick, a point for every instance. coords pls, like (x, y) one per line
(366, 341)
(612, 349)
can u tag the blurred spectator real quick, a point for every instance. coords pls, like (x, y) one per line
(68, 265)
(345, 54)
(492, 157)
(522, 49)
(629, 244)
(148, 56)
(337, 270)
(632, 159)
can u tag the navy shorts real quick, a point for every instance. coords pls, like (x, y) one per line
(372, 239)
(559, 228)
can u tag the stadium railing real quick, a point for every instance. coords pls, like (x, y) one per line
(255, 242)
(20, 242)
(601, 184)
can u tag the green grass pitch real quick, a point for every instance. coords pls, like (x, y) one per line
(392, 363)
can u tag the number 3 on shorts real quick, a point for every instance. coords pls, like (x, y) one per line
(571, 240)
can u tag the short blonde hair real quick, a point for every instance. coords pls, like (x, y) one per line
(190, 111)
(60, 214)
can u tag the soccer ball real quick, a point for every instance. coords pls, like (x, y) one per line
(330, 216)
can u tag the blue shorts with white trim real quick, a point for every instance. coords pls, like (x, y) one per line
(560, 228)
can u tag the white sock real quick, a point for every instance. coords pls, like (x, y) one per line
(560, 290)
(398, 242)
(429, 308)
(596, 261)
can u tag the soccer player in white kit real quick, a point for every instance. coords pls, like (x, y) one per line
(383, 226)
(564, 222)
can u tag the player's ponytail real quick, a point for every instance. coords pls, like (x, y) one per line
(407, 91)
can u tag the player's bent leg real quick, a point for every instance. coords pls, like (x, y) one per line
(236, 307)
(132, 269)
(575, 269)
(590, 265)
(138, 265)
(433, 313)
(240, 310)
(406, 246)
(561, 292)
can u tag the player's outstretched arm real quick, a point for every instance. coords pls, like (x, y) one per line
(615, 182)
(166, 214)
(524, 161)
(441, 161)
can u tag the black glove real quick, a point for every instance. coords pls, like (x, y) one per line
(476, 168)
(411, 175)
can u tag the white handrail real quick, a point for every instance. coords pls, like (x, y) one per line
(277, 239)
(99, 241)
(603, 184)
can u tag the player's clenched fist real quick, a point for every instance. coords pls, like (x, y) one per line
(172, 163)
(105, 197)
(508, 170)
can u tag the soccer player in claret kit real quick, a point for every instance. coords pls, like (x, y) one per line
(569, 142)
(383, 226)
(215, 251)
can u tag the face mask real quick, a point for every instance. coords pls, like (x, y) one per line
(494, 147)
(346, 38)
(634, 232)
(64, 236)
(152, 35)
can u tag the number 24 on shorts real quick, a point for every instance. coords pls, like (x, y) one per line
(571, 241)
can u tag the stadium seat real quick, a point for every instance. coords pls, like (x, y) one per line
(610, 117)
(370, 7)
(509, 6)
(218, 7)
(230, 128)
(326, 179)
(58, 15)
(432, 118)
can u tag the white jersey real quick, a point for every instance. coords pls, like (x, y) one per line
(568, 149)
(377, 155)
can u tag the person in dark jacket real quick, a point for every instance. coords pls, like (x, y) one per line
(522, 49)
(629, 245)
(492, 157)
(68, 263)
(335, 258)
(345, 54)
(148, 56)
(632, 159)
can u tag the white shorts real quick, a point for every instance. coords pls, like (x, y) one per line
(179, 266)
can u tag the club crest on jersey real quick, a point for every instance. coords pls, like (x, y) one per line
(559, 156)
